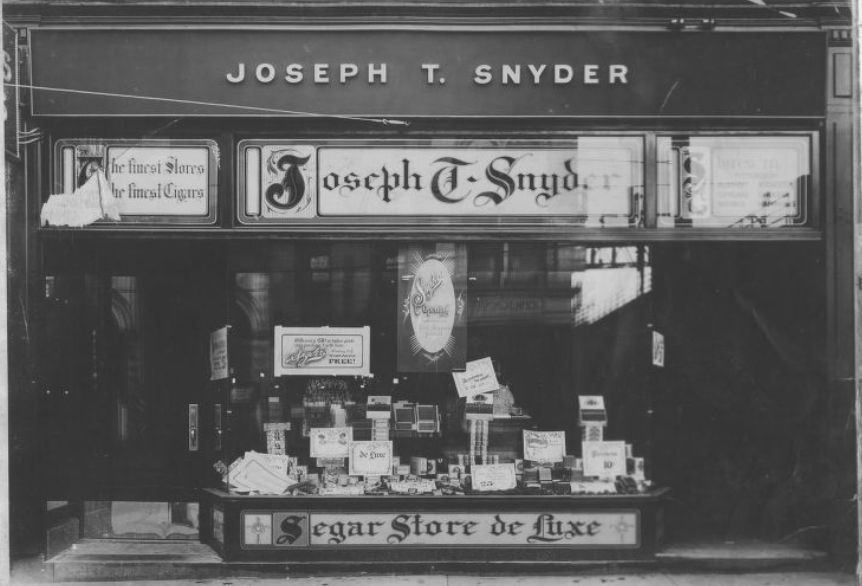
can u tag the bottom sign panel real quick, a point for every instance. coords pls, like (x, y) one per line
(605, 529)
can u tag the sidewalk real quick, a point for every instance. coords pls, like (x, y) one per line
(769, 579)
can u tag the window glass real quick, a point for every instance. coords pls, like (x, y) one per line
(733, 181)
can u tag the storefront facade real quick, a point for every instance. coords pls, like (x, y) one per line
(362, 284)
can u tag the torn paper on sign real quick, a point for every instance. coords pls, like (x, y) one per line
(90, 203)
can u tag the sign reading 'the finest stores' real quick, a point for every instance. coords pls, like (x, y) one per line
(152, 181)
(274, 530)
(149, 181)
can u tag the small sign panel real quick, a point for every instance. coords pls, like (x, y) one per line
(290, 529)
(372, 458)
(218, 525)
(277, 182)
(657, 349)
(604, 459)
(317, 351)
(492, 477)
(544, 446)
(742, 182)
(218, 354)
(478, 378)
(257, 529)
(330, 442)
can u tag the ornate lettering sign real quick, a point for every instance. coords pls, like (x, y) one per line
(151, 181)
(316, 351)
(589, 180)
(598, 179)
(491, 477)
(584, 529)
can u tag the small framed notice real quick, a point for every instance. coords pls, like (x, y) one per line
(218, 354)
(322, 351)
(604, 459)
(657, 349)
(330, 442)
(478, 378)
(370, 458)
(544, 446)
(490, 477)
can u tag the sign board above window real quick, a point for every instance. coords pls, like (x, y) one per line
(592, 181)
(153, 182)
(418, 71)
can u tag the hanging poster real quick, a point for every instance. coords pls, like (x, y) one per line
(432, 283)
(324, 350)
(218, 354)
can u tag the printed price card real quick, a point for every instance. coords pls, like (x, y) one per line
(330, 442)
(604, 459)
(477, 379)
(544, 446)
(370, 458)
(490, 477)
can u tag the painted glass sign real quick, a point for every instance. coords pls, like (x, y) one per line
(278, 182)
(595, 181)
(734, 182)
(152, 182)
(324, 350)
(431, 289)
(585, 529)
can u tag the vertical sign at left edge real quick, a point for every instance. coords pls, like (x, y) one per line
(11, 91)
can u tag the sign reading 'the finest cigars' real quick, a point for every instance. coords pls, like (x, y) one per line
(151, 181)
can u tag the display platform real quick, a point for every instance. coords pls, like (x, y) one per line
(433, 528)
